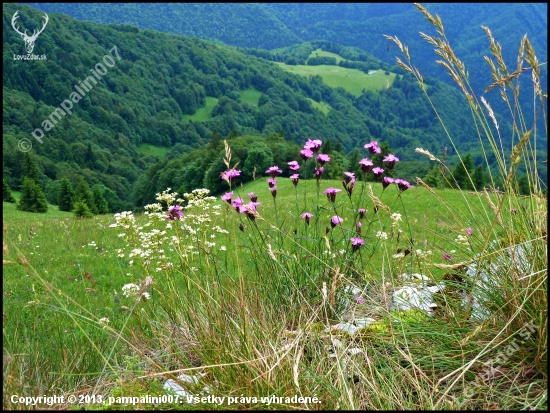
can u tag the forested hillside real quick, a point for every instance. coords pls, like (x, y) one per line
(151, 95)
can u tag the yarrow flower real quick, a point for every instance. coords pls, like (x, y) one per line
(331, 193)
(306, 154)
(323, 158)
(356, 243)
(307, 216)
(377, 172)
(373, 147)
(293, 165)
(273, 171)
(366, 165)
(313, 145)
(335, 220)
(390, 160)
(295, 179)
(227, 197)
(174, 212)
(387, 181)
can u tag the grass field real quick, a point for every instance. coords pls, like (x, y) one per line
(204, 113)
(251, 96)
(148, 149)
(322, 53)
(322, 106)
(352, 80)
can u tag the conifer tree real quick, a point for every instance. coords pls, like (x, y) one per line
(433, 177)
(478, 178)
(84, 194)
(6, 192)
(66, 196)
(30, 169)
(461, 171)
(99, 201)
(32, 197)
(81, 210)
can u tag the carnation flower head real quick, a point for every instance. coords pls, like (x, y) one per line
(273, 190)
(377, 172)
(271, 182)
(402, 184)
(307, 216)
(230, 175)
(313, 145)
(335, 220)
(273, 171)
(306, 154)
(174, 212)
(331, 193)
(356, 243)
(390, 160)
(362, 212)
(323, 158)
(366, 165)
(373, 147)
(227, 197)
(295, 178)
(319, 172)
(253, 197)
(387, 181)
(293, 165)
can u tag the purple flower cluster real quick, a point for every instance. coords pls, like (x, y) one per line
(174, 213)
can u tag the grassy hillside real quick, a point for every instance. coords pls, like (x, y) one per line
(353, 81)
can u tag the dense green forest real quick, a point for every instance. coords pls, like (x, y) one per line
(276, 25)
(154, 93)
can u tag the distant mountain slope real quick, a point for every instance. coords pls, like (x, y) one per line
(239, 24)
(152, 95)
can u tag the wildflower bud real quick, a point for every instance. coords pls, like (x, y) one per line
(241, 227)
(375, 209)
(327, 230)
(362, 213)
(358, 228)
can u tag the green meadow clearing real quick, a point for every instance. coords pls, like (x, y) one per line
(352, 80)
(148, 149)
(250, 96)
(322, 106)
(321, 53)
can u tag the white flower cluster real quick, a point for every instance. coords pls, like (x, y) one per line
(462, 240)
(124, 219)
(423, 255)
(186, 235)
(132, 290)
(381, 235)
(168, 198)
(396, 217)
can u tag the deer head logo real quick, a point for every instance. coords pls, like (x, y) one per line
(29, 40)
